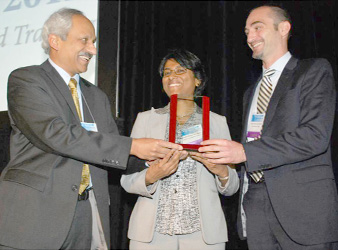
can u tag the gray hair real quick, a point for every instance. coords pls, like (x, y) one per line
(59, 23)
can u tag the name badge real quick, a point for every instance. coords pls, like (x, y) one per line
(192, 135)
(255, 126)
(89, 126)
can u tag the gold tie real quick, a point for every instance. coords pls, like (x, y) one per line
(264, 96)
(85, 170)
(265, 92)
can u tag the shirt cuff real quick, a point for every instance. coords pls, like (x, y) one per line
(219, 183)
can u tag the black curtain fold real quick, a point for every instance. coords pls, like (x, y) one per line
(214, 31)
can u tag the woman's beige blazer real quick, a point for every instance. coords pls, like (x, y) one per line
(142, 222)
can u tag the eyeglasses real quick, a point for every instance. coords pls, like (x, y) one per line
(178, 71)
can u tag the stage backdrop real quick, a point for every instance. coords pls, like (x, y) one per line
(20, 34)
(214, 31)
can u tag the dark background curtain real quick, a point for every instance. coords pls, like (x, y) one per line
(214, 31)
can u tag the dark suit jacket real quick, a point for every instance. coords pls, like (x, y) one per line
(294, 151)
(48, 146)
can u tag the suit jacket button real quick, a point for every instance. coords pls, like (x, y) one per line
(74, 188)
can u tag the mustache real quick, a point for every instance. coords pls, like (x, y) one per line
(86, 54)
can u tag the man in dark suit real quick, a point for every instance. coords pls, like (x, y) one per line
(288, 191)
(62, 140)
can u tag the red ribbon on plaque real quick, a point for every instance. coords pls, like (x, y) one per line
(205, 121)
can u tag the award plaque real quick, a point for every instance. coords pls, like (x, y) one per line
(191, 136)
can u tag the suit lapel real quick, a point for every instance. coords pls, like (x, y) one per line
(60, 85)
(159, 125)
(87, 101)
(247, 102)
(283, 85)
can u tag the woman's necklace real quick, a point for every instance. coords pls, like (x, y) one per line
(192, 110)
(181, 116)
(182, 119)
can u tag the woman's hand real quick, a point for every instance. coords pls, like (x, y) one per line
(159, 169)
(221, 170)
